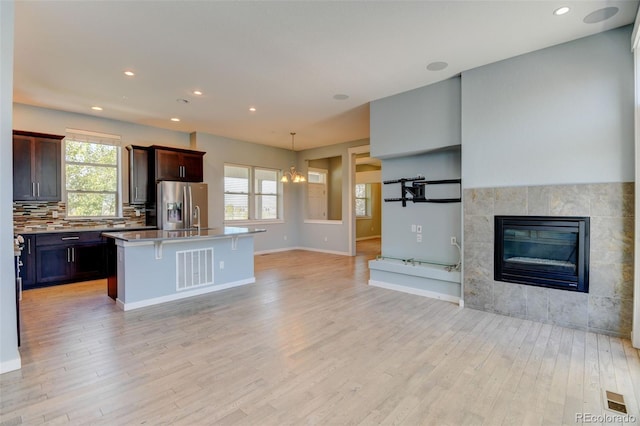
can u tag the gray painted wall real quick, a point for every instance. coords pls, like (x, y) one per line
(439, 221)
(426, 121)
(558, 115)
(417, 121)
(9, 356)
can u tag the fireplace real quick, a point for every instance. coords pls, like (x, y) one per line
(543, 251)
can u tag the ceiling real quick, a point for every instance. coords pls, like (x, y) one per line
(286, 59)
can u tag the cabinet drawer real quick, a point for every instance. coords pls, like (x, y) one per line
(68, 238)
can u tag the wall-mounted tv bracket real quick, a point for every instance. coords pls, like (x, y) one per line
(416, 191)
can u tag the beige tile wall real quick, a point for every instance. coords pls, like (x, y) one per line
(607, 308)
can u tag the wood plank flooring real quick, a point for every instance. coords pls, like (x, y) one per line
(309, 343)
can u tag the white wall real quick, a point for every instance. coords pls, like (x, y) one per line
(555, 116)
(9, 355)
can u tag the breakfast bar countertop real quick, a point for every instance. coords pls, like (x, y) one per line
(190, 234)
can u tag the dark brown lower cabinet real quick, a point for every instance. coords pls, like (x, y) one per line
(68, 257)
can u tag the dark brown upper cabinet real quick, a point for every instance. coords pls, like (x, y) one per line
(36, 166)
(138, 174)
(178, 164)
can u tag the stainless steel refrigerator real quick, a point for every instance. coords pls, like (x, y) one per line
(182, 205)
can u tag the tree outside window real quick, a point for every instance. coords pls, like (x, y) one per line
(92, 170)
(363, 200)
(251, 193)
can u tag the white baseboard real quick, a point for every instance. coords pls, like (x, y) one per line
(417, 292)
(258, 253)
(11, 365)
(373, 237)
(182, 295)
(341, 253)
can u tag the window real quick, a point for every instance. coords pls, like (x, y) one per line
(92, 176)
(251, 193)
(363, 200)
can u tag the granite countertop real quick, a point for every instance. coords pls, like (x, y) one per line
(44, 230)
(163, 235)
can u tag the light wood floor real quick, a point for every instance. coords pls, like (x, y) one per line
(309, 343)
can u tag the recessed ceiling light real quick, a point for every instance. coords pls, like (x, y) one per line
(600, 15)
(340, 97)
(252, 109)
(129, 73)
(437, 66)
(96, 108)
(197, 93)
(561, 10)
(175, 119)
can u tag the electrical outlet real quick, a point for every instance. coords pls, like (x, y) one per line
(454, 241)
(419, 229)
(419, 238)
(413, 228)
(285, 238)
(222, 264)
(137, 213)
(54, 214)
(326, 239)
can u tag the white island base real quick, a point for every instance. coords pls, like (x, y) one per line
(161, 266)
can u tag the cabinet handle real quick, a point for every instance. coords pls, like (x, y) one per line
(136, 196)
(68, 255)
(33, 189)
(38, 189)
(69, 238)
(29, 245)
(73, 254)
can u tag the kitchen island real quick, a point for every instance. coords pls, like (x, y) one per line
(155, 266)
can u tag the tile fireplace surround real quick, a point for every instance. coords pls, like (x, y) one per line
(608, 307)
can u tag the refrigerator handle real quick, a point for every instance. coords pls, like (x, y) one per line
(190, 207)
(185, 208)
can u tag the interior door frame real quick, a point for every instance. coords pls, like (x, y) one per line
(351, 181)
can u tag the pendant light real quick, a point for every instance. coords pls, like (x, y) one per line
(292, 175)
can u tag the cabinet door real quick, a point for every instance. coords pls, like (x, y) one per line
(28, 258)
(89, 261)
(53, 263)
(47, 169)
(168, 165)
(138, 175)
(192, 167)
(23, 184)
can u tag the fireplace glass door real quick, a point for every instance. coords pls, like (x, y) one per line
(543, 251)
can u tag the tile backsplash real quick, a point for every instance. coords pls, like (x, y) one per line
(38, 216)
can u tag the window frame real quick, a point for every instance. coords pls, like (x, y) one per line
(253, 195)
(100, 139)
(367, 198)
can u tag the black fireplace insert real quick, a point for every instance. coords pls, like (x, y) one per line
(543, 251)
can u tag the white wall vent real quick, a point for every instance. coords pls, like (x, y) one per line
(194, 268)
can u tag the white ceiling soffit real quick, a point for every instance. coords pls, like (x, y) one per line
(288, 60)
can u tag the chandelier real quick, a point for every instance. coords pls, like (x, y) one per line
(292, 175)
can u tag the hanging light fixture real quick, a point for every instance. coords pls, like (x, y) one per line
(292, 175)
